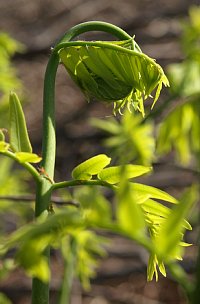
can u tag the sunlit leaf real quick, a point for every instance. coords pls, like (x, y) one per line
(24, 157)
(112, 175)
(145, 192)
(19, 139)
(152, 268)
(90, 167)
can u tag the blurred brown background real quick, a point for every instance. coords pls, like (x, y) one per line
(121, 278)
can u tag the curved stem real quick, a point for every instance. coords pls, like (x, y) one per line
(94, 26)
(40, 291)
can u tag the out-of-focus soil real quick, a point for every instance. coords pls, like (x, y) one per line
(121, 278)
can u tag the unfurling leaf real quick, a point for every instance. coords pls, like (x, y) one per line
(90, 167)
(112, 175)
(111, 71)
(19, 139)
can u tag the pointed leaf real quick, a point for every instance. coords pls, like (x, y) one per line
(112, 175)
(19, 139)
(144, 192)
(90, 167)
(152, 267)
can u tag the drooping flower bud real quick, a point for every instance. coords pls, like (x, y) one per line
(113, 72)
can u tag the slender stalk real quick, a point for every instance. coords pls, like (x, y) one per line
(40, 290)
(73, 183)
(94, 26)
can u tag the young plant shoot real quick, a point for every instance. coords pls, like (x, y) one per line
(115, 72)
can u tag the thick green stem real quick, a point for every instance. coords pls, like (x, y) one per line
(40, 290)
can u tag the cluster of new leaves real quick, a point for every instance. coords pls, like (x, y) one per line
(112, 71)
(139, 215)
(138, 210)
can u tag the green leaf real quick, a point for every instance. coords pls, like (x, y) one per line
(24, 157)
(144, 192)
(19, 139)
(90, 167)
(153, 264)
(112, 175)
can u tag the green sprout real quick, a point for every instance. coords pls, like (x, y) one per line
(115, 71)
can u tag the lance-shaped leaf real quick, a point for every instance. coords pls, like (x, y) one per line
(19, 139)
(112, 175)
(112, 72)
(153, 264)
(90, 167)
(145, 192)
